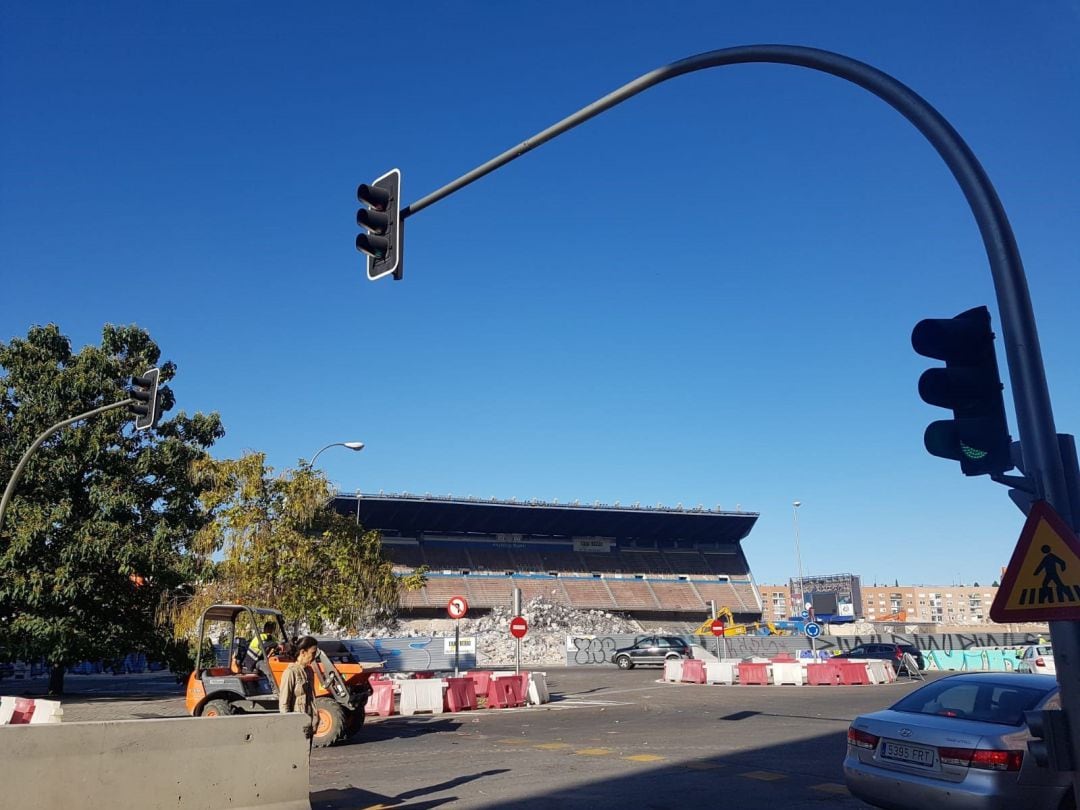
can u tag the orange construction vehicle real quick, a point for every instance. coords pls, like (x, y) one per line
(250, 683)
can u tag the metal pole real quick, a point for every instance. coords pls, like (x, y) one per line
(517, 665)
(21, 466)
(798, 555)
(1027, 374)
(457, 647)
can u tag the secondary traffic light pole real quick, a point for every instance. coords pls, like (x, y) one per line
(1043, 465)
(15, 476)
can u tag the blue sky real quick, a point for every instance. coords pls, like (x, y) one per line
(703, 296)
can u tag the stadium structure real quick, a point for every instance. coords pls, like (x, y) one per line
(654, 563)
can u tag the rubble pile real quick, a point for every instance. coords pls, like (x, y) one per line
(549, 625)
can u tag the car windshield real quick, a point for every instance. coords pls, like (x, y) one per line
(971, 700)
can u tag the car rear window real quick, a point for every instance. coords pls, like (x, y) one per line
(970, 700)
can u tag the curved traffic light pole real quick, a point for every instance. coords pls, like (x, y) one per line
(1034, 415)
(1042, 456)
(15, 476)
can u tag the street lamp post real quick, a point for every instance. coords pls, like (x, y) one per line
(357, 446)
(800, 606)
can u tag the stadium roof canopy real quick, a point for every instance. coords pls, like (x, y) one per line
(411, 515)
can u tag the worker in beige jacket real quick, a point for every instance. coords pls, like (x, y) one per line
(297, 694)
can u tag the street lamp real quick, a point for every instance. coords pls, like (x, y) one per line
(801, 605)
(357, 446)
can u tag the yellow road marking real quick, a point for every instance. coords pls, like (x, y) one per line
(764, 776)
(552, 746)
(593, 752)
(832, 787)
(644, 758)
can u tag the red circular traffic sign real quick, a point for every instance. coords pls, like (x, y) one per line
(717, 627)
(518, 627)
(457, 607)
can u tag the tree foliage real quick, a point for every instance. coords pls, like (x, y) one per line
(281, 545)
(100, 523)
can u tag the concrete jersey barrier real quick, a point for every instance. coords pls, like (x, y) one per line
(241, 762)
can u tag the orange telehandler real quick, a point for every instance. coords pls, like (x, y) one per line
(341, 683)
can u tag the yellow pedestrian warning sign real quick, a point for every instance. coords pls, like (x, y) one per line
(1042, 582)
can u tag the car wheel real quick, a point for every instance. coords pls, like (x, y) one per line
(216, 708)
(624, 662)
(672, 657)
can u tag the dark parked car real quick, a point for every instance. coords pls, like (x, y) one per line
(886, 652)
(652, 650)
(959, 741)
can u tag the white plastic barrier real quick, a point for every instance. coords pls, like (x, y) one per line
(880, 671)
(241, 762)
(538, 690)
(673, 670)
(789, 672)
(422, 695)
(720, 672)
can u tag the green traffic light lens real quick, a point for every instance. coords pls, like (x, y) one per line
(973, 453)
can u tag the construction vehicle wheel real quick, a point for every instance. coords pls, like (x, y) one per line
(216, 708)
(331, 722)
(354, 721)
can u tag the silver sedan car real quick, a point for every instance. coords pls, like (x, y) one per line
(958, 742)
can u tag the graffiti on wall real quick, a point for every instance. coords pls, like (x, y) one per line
(591, 650)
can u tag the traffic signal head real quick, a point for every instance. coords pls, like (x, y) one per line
(978, 434)
(144, 390)
(1050, 746)
(381, 220)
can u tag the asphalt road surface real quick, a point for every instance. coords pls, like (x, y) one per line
(609, 739)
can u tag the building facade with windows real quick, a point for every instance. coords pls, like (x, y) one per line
(937, 604)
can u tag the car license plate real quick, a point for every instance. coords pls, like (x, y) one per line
(911, 754)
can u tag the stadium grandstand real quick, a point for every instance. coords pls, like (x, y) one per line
(654, 563)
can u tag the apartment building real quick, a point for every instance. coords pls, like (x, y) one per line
(940, 604)
(775, 603)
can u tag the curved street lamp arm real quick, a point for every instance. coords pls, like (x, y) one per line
(332, 444)
(15, 476)
(1031, 395)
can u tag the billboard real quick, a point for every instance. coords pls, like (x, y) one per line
(833, 596)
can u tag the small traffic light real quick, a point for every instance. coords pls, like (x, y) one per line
(144, 390)
(382, 221)
(978, 434)
(1050, 747)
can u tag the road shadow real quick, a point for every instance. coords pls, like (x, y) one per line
(788, 775)
(352, 797)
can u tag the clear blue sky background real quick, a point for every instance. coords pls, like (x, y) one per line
(703, 296)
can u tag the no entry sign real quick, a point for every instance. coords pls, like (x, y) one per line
(457, 607)
(717, 627)
(518, 627)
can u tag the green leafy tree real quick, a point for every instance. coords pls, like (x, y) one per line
(97, 531)
(280, 544)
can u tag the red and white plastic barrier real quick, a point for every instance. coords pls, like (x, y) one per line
(15, 711)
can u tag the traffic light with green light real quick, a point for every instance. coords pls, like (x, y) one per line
(381, 220)
(978, 434)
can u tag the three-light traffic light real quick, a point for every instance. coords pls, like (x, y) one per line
(144, 390)
(381, 220)
(978, 434)
(1050, 746)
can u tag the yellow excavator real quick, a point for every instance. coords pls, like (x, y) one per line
(732, 628)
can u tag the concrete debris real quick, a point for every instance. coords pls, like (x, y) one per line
(545, 643)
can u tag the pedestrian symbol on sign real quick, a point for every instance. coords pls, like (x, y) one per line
(1048, 566)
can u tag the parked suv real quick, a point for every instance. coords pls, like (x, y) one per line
(886, 652)
(652, 650)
